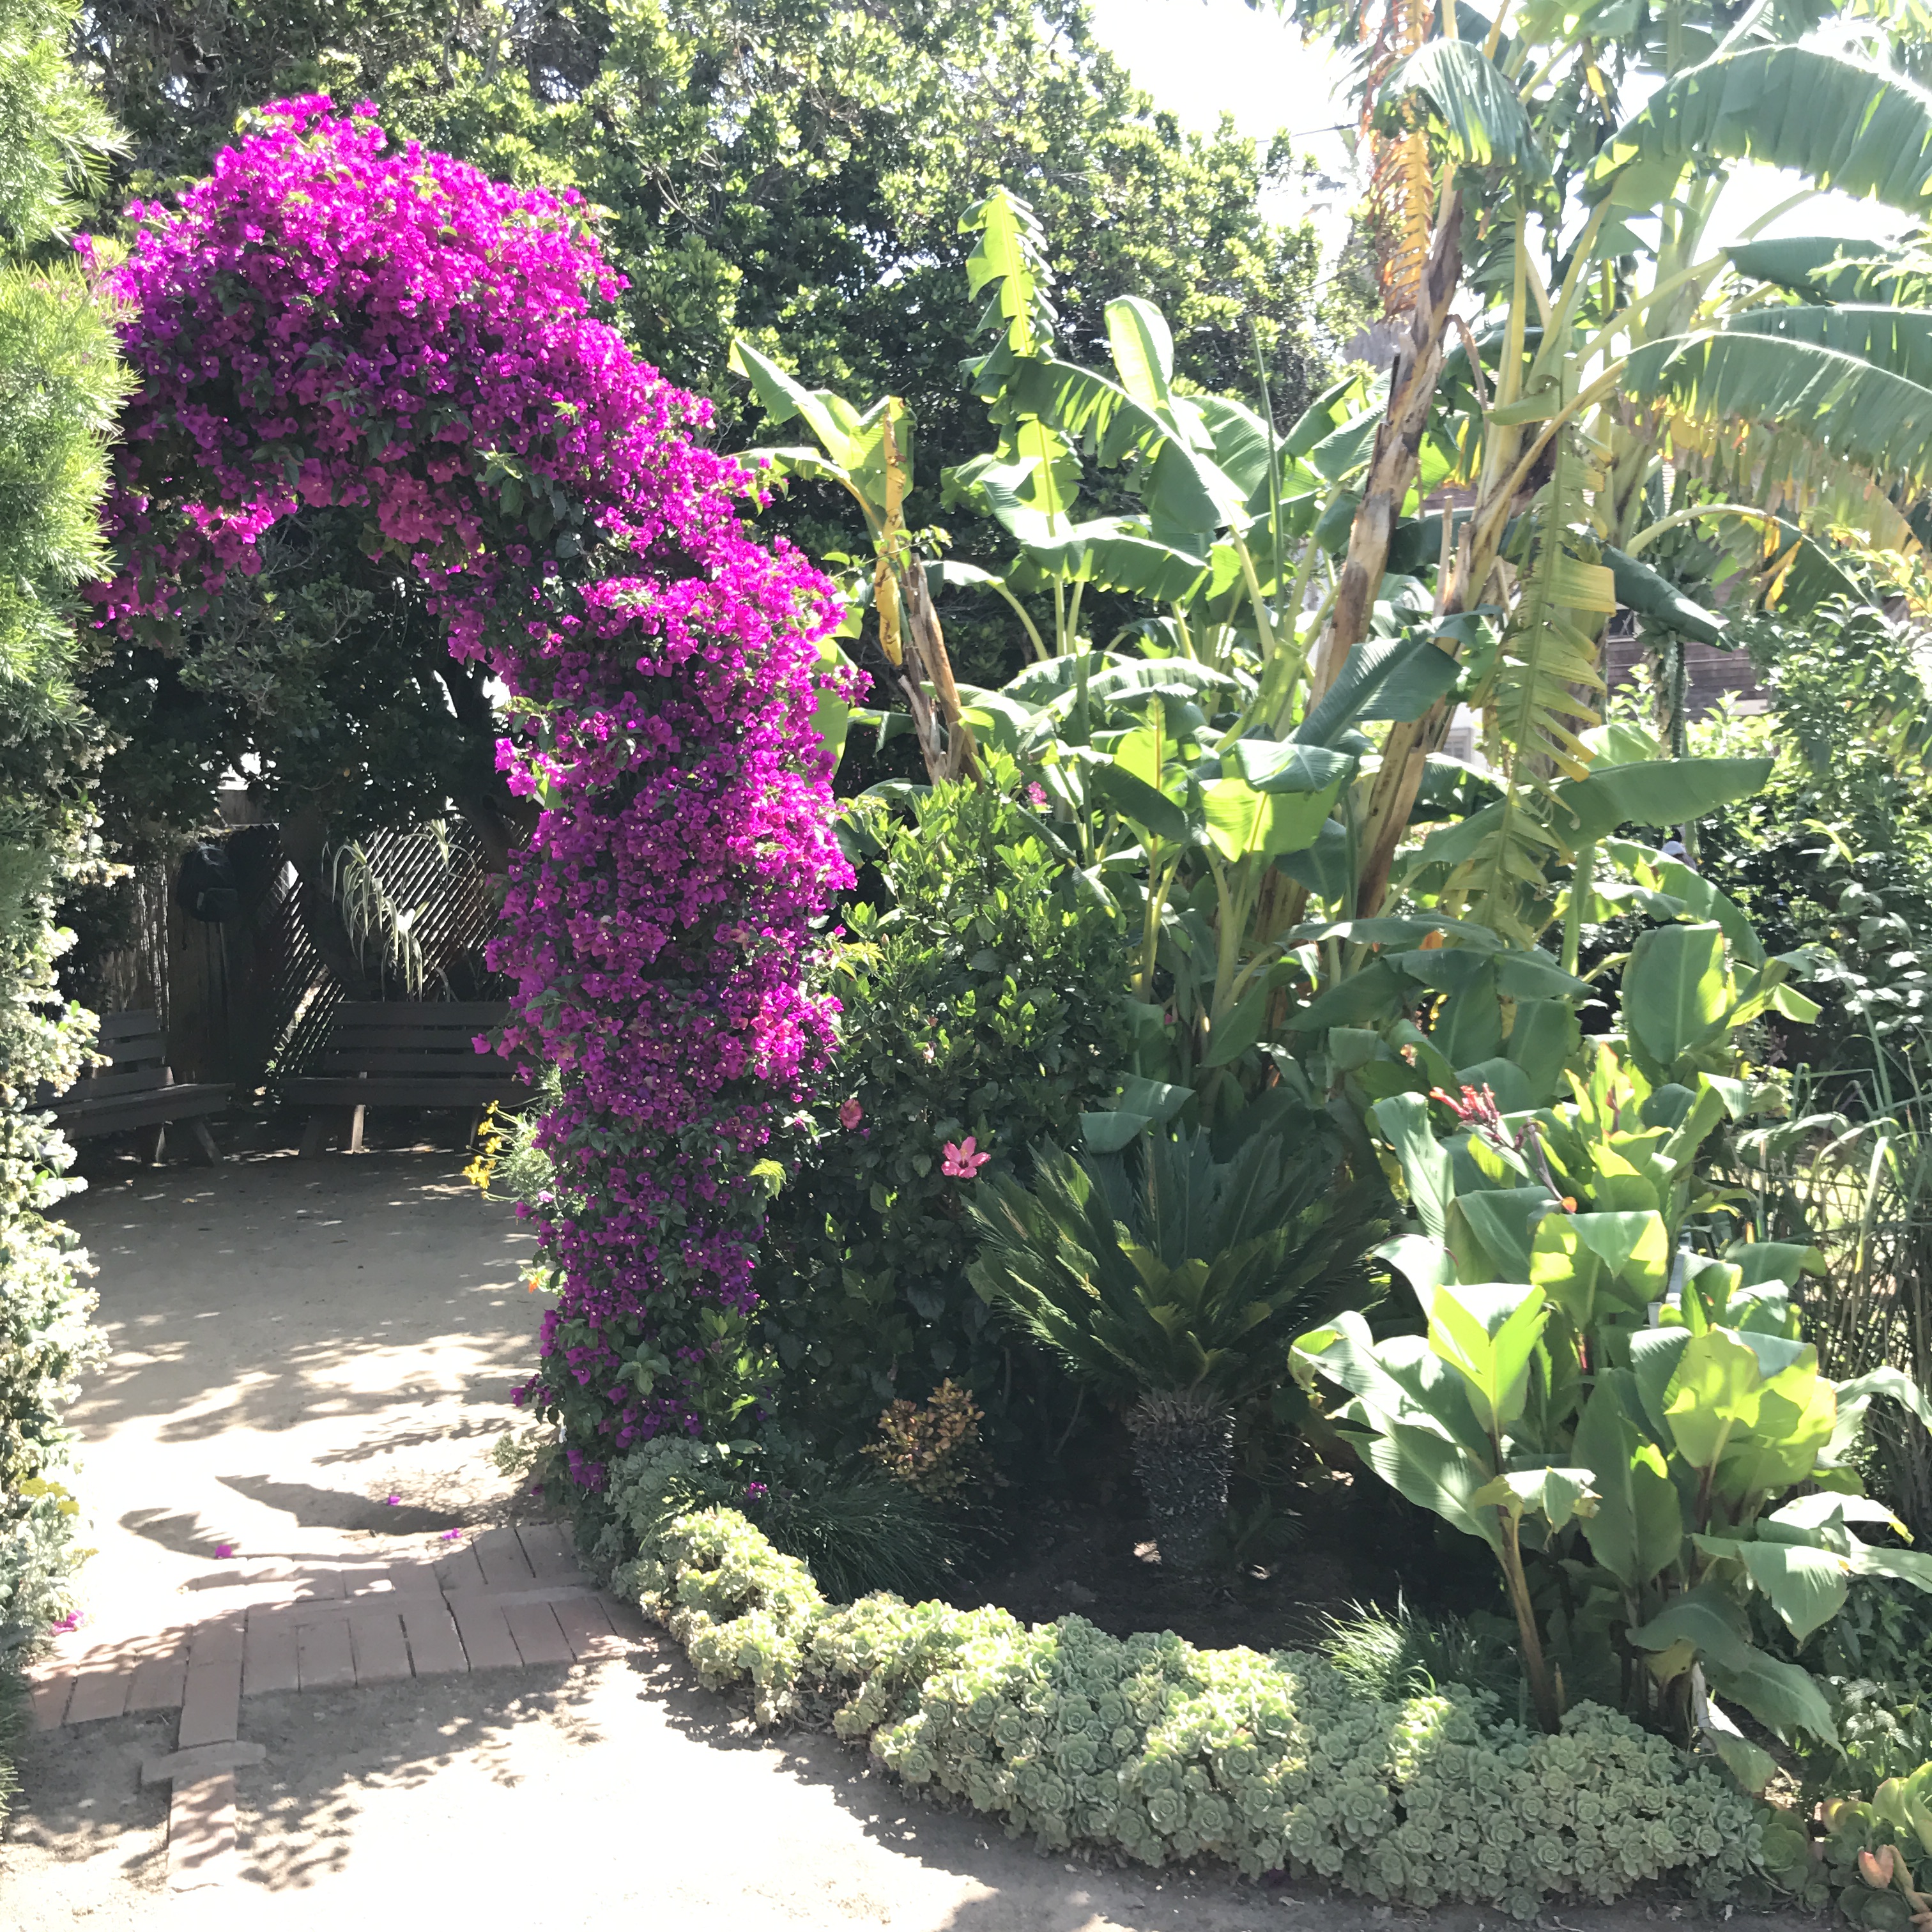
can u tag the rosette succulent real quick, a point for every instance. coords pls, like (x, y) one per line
(1148, 1746)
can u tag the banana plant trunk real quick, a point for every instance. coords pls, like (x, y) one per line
(1397, 457)
(945, 739)
(1183, 1450)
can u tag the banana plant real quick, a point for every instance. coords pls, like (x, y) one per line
(1507, 150)
(870, 456)
(1236, 526)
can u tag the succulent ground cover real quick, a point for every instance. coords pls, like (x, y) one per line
(1150, 1746)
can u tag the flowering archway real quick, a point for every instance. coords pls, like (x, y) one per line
(328, 323)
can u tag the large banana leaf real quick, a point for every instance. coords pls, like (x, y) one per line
(1663, 791)
(1856, 411)
(1111, 556)
(1651, 594)
(1011, 250)
(1827, 267)
(1898, 339)
(1482, 116)
(1183, 488)
(1397, 677)
(1143, 349)
(1674, 990)
(1837, 122)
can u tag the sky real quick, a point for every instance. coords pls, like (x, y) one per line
(1199, 59)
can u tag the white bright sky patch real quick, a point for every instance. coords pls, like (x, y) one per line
(1202, 58)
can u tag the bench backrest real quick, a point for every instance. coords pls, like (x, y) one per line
(134, 1043)
(393, 1037)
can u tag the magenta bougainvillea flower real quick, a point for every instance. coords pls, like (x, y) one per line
(962, 1160)
(850, 1114)
(331, 320)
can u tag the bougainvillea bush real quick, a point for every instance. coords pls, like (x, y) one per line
(329, 323)
(1149, 1746)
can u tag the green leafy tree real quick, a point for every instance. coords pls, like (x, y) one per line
(790, 171)
(789, 168)
(60, 384)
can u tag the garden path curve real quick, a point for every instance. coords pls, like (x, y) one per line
(359, 1714)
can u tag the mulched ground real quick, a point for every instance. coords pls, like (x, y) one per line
(1351, 1542)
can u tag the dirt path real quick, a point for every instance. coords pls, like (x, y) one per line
(295, 1342)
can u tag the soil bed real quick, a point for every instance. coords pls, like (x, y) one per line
(1353, 1545)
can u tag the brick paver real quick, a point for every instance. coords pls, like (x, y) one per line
(211, 1701)
(548, 1551)
(435, 1648)
(160, 1681)
(514, 1598)
(268, 1661)
(99, 1690)
(586, 1628)
(381, 1654)
(201, 1832)
(538, 1639)
(323, 1656)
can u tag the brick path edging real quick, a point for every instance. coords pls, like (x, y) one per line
(513, 1597)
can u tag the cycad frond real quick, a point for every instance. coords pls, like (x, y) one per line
(1192, 1276)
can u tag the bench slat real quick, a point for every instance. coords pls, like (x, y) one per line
(399, 1092)
(135, 1022)
(99, 1086)
(476, 1014)
(141, 1110)
(351, 1060)
(149, 1047)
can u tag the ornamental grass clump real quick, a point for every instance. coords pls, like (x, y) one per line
(334, 324)
(1173, 1282)
(1148, 1746)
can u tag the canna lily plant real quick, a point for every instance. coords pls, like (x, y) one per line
(1635, 1428)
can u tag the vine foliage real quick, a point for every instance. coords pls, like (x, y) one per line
(332, 322)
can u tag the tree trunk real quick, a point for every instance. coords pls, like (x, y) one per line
(1396, 460)
(1184, 1449)
(501, 821)
(928, 660)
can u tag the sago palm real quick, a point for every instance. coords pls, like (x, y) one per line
(1173, 1286)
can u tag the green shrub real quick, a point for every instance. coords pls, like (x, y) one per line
(1149, 1746)
(861, 1530)
(60, 383)
(1386, 1655)
(982, 1002)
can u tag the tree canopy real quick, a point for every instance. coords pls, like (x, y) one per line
(789, 170)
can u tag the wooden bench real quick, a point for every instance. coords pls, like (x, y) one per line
(137, 1091)
(388, 1054)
